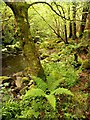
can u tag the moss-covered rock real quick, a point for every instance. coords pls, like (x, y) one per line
(4, 79)
(25, 80)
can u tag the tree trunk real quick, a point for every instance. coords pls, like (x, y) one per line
(20, 10)
(88, 27)
(70, 24)
(70, 29)
(65, 29)
(74, 22)
(83, 21)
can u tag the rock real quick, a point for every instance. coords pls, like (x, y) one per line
(4, 79)
(25, 80)
(18, 79)
(18, 82)
(15, 92)
(23, 90)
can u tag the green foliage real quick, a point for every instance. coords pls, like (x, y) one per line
(40, 83)
(58, 74)
(36, 19)
(12, 49)
(34, 92)
(37, 101)
(37, 93)
(62, 91)
(50, 100)
(8, 26)
(9, 110)
(5, 93)
(37, 108)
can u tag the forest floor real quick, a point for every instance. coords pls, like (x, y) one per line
(81, 89)
(54, 52)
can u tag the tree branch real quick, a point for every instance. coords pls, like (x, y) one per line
(59, 10)
(29, 5)
(48, 24)
(43, 2)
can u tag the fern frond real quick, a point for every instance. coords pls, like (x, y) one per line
(52, 100)
(55, 84)
(40, 83)
(62, 91)
(35, 92)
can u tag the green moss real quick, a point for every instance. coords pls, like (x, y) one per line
(4, 78)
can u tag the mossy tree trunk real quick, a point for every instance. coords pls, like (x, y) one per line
(65, 29)
(88, 27)
(70, 23)
(83, 21)
(74, 21)
(20, 10)
(70, 29)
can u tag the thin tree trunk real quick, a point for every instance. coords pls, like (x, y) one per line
(70, 29)
(83, 21)
(70, 23)
(65, 28)
(74, 22)
(88, 26)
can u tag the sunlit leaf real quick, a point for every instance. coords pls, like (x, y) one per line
(35, 92)
(62, 91)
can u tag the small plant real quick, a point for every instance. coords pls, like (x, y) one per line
(58, 74)
(10, 109)
(5, 92)
(41, 101)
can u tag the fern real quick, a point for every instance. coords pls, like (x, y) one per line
(42, 87)
(55, 76)
(52, 100)
(62, 91)
(40, 83)
(59, 73)
(35, 92)
(55, 84)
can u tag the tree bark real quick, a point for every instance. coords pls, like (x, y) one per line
(70, 29)
(70, 24)
(83, 21)
(20, 10)
(88, 27)
(65, 29)
(74, 22)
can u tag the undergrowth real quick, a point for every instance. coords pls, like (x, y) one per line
(51, 100)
